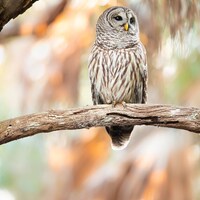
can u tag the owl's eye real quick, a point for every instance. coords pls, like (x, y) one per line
(118, 18)
(132, 20)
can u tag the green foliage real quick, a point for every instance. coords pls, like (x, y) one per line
(22, 167)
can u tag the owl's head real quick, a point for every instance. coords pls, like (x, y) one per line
(118, 27)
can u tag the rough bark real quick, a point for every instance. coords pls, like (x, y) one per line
(9, 9)
(101, 115)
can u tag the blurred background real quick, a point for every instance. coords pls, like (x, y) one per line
(43, 65)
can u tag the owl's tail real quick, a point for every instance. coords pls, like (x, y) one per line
(120, 136)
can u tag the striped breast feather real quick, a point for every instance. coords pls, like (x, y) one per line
(136, 73)
(129, 75)
(118, 75)
(121, 80)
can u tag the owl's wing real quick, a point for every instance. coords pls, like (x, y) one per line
(94, 94)
(92, 78)
(144, 74)
(92, 67)
(141, 62)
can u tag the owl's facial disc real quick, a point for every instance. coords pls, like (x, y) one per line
(123, 21)
(117, 27)
(118, 20)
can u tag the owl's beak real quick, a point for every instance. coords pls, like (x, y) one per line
(126, 27)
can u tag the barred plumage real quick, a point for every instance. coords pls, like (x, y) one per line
(117, 66)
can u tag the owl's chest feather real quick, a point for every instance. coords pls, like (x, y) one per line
(115, 75)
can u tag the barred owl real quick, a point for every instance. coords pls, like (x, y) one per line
(117, 66)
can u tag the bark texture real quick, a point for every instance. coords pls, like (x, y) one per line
(9, 9)
(102, 115)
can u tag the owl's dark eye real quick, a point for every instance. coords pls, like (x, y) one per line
(118, 18)
(132, 20)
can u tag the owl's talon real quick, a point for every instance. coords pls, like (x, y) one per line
(114, 103)
(124, 104)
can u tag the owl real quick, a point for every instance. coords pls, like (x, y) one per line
(117, 66)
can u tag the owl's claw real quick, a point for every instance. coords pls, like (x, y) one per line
(114, 103)
(124, 104)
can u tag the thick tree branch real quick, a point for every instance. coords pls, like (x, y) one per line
(101, 115)
(49, 18)
(9, 9)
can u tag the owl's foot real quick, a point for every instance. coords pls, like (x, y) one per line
(114, 103)
(124, 104)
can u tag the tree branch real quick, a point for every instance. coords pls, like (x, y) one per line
(49, 18)
(10, 9)
(101, 115)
